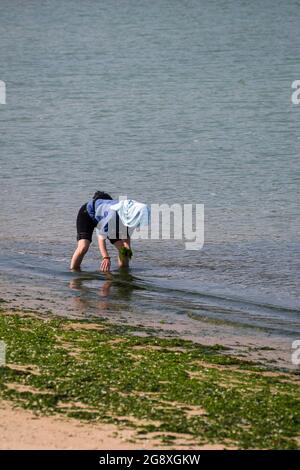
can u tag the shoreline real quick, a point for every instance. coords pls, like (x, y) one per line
(251, 343)
(36, 284)
(160, 391)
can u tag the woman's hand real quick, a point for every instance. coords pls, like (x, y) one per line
(105, 265)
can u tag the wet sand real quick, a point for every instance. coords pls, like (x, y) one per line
(80, 302)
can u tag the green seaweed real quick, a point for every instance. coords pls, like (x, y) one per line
(126, 252)
(163, 385)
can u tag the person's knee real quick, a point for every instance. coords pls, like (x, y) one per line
(83, 249)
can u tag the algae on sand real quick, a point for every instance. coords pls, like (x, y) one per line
(166, 386)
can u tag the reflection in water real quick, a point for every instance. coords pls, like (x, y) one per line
(103, 292)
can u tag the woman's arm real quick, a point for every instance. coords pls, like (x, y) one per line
(105, 264)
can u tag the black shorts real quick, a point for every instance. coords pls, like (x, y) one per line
(86, 225)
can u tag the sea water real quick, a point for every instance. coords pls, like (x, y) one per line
(167, 101)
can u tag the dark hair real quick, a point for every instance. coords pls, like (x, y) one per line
(101, 195)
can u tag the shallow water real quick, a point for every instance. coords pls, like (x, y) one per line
(167, 102)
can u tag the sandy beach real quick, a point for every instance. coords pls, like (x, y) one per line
(82, 384)
(24, 430)
(149, 226)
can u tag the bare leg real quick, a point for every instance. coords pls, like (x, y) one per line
(81, 250)
(122, 261)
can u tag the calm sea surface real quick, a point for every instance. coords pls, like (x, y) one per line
(166, 101)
